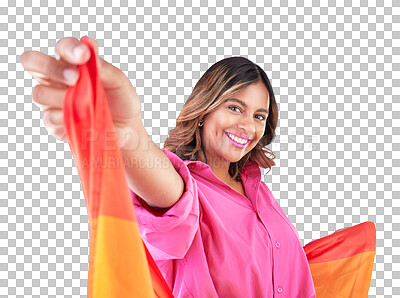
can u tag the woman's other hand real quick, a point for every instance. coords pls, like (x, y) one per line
(340, 230)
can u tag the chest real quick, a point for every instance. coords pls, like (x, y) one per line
(238, 186)
(241, 238)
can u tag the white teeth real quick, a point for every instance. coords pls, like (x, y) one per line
(237, 139)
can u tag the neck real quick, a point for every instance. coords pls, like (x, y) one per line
(219, 168)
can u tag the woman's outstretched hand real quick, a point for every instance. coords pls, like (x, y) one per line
(145, 159)
(340, 230)
(55, 75)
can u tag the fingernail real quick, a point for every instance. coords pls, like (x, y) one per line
(71, 76)
(78, 51)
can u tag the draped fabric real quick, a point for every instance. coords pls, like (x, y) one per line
(341, 264)
(119, 263)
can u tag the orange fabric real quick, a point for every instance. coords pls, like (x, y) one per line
(341, 264)
(119, 263)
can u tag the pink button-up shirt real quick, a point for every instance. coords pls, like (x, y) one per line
(215, 242)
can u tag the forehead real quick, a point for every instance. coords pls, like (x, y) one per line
(255, 95)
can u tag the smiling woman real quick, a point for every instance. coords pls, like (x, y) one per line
(211, 225)
(227, 235)
(236, 95)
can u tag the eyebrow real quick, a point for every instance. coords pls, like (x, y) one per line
(245, 105)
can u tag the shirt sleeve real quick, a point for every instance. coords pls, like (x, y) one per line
(169, 234)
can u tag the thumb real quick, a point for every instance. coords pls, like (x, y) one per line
(93, 42)
(110, 76)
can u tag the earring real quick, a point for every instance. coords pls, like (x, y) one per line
(201, 124)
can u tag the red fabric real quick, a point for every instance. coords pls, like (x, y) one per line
(343, 244)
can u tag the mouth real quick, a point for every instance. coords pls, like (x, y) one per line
(237, 141)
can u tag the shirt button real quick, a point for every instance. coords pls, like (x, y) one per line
(277, 244)
(280, 289)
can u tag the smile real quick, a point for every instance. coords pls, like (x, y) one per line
(238, 142)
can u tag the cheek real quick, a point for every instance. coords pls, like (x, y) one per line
(212, 136)
(260, 132)
(217, 127)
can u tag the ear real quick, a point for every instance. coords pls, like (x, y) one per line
(202, 119)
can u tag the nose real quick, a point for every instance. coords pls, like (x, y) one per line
(247, 126)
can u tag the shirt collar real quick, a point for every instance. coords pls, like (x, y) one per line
(250, 169)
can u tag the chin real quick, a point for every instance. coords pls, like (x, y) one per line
(236, 157)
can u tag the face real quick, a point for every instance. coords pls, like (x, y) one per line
(234, 129)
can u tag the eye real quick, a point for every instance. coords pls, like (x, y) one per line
(262, 118)
(232, 108)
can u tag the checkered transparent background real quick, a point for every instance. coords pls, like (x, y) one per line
(334, 66)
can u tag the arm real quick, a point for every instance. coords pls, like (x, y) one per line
(152, 177)
(149, 172)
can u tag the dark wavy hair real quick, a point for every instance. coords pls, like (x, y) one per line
(220, 82)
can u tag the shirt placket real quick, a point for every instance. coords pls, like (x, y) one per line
(266, 220)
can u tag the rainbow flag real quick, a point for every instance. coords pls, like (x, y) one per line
(341, 264)
(119, 263)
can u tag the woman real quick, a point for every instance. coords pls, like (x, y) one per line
(210, 223)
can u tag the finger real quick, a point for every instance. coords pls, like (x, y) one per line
(72, 51)
(46, 81)
(339, 230)
(59, 133)
(48, 68)
(52, 118)
(48, 96)
(53, 122)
